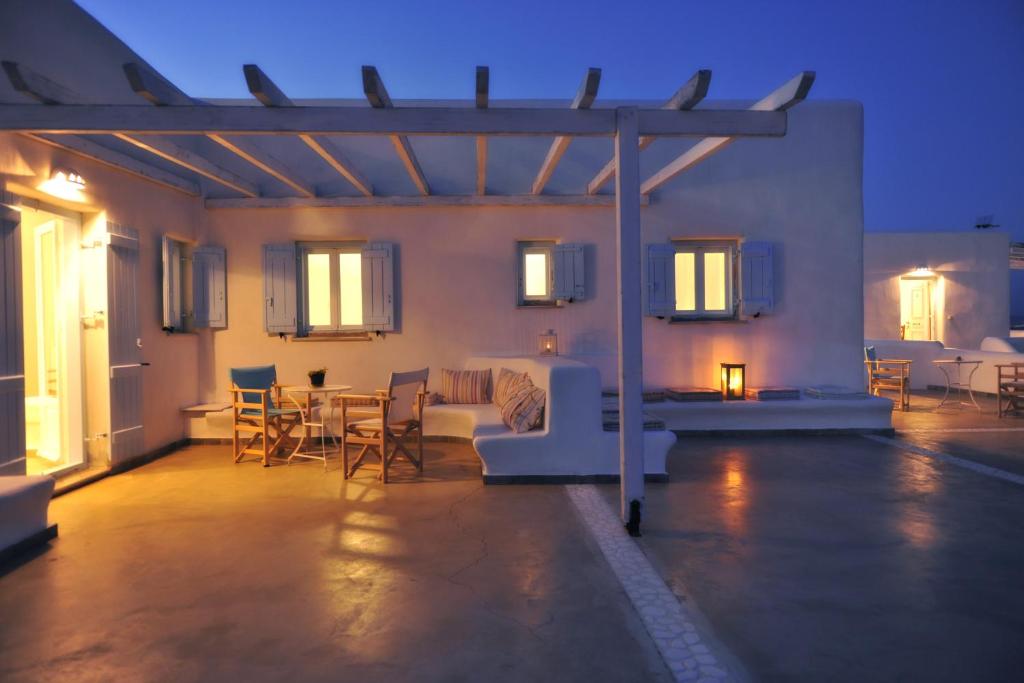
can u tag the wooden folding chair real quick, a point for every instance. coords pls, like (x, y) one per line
(1010, 381)
(385, 423)
(888, 374)
(257, 412)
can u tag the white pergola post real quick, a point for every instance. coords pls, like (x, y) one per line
(628, 277)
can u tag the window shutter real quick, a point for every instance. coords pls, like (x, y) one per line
(570, 273)
(661, 280)
(378, 286)
(756, 278)
(280, 300)
(171, 285)
(209, 287)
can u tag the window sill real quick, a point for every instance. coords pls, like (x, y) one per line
(334, 337)
(540, 304)
(707, 321)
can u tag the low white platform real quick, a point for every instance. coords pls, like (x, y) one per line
(24, 501)
(806, 414)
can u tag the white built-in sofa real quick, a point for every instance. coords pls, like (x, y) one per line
(572, 442)
(24, 501)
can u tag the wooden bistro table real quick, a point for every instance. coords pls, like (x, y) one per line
(303, 395)
(947, 368)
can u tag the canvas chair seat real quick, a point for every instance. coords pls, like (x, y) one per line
(272, 412)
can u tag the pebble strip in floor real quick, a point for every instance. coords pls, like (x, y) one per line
(666, 619)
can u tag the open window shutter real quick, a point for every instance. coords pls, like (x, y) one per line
(570, 284)
(171, 284)
(209, 287)
(12, 367)
(279, 294)
(756, 278)
(378, 286)
(661, 280)
(124, 344)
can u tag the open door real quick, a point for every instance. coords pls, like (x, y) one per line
(12, 370)
(124, 344)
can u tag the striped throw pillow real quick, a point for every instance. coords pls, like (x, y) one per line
(466, 386)
(507, 384)
(525, 410)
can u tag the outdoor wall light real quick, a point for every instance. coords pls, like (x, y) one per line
(734, 381)
(65, 183)
(548, 343)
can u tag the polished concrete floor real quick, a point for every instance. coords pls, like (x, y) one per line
(191, 568)
(843, 559)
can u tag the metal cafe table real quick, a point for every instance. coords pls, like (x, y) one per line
(302, 395)
(947, 366)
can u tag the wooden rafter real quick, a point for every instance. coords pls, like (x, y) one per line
(686, 98)
(377, 201)
(267, 92)
(785, 97)
(51, 93)
(158, 91)
(483, 86)
(378, 97)
(585, 97)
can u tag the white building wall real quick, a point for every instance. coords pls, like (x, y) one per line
(972, 300)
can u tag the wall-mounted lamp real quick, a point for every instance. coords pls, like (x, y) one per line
(65, 183)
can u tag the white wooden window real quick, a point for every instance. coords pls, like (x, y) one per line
(194, 286)
(331, 284)
(549, 273)
(704, 279)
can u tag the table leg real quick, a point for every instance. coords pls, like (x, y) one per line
(945, 374)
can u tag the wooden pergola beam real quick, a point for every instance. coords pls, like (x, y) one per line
(51, 93)
(378, 97)
(334, 120)
(434, 200)
(158, 91)
(783, 98)
(267, 92)
(684, 99)
(585, 97)
(483, 86)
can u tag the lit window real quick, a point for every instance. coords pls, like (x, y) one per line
(704, 279)
(332, 286)
(535, 273)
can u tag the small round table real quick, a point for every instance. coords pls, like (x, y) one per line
(947, 366)
(302, 395)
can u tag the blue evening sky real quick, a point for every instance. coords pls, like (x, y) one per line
(942, 82)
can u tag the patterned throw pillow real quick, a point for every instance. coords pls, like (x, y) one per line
(525, 410)
(508, 383)
(466, 386)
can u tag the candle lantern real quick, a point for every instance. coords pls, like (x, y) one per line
(734, 381)
(548, 343)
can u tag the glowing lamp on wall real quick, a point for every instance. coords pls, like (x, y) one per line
(65, 183)
(548, 343)
(734, 381)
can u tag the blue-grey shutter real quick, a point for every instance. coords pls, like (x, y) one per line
(378, 286)
(570, 274)
(12, 368)
(661, 280)
(124, 345)
(171, 272)
(209, 287)
(756, 278)
(280, 300)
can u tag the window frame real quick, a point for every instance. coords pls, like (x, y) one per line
(699, 248)
(523, 248)
(333, 249)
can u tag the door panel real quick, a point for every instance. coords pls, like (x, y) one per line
(12, 368)
(123, 338)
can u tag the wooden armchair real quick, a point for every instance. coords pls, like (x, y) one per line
(888, 374)
(385, 423)
(1010, 382)
(257, 412)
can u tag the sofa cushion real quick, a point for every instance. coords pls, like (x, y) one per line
(524, 410)
(508, 384)
(466, 386)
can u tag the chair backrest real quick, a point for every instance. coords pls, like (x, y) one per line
(869, 353)
(404, 386)
(259, 377)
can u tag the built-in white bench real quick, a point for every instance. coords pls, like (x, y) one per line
(24, 501)
(872, 414)
(571, 444)
(924, 373)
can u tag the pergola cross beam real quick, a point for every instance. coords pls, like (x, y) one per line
(684, 99)
(585, 97)
(378, 97)
(267, 92)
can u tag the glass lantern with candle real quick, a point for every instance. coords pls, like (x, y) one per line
(548, 343)
(734, 382)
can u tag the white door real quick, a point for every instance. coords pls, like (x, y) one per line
(125, 345)
(12, 369)
(919, 322)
